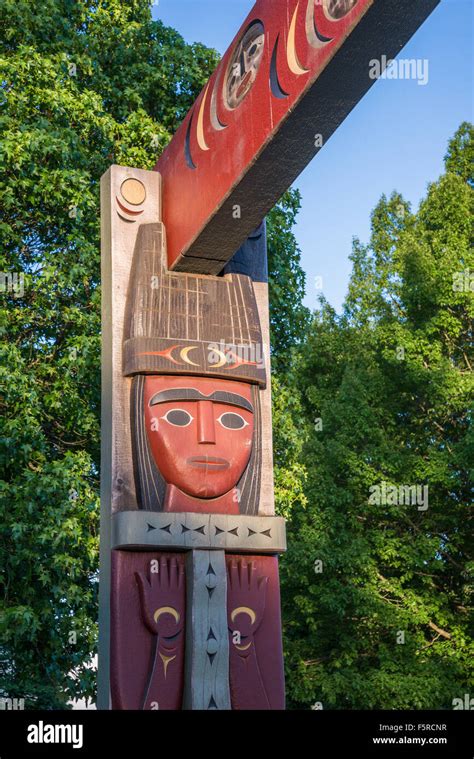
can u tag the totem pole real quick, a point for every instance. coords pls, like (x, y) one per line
(189, 589)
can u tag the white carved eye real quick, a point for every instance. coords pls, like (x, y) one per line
(232, 421)
(178, 417)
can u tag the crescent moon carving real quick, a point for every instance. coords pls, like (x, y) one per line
(200, 124)
(243, 648)
(244, 610)
(128, 210)
(184, 354)
(291, 54)
(276, 88)
(187, 145)
(223, 360)
(215, 120)
(166, 610)
(315, 38)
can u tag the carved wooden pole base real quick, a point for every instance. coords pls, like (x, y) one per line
(190, 603)
(199, 630)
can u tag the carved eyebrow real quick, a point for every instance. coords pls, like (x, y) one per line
(190, 394)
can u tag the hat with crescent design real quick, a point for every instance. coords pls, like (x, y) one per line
(179, 323)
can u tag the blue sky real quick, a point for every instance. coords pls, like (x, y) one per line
(394, 139)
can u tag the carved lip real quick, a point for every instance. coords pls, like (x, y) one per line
(208, 462)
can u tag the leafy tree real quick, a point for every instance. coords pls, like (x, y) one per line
(460, 156)
(288, 317)
(83, 85)
(376, 589)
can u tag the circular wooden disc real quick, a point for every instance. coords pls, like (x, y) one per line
(133, 191)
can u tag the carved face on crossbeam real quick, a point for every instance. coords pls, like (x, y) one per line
(200, 432)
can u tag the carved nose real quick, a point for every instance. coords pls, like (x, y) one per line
(206, 425)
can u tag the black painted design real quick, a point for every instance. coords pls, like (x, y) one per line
(277, 90)
(187, 145)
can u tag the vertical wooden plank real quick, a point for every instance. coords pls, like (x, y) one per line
(129, 197)
(267, 495)
(206, 680)
(103, 674)
(251, 260)
(118, 236)
(257, 680)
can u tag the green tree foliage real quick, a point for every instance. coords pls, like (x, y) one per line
(83, 85)
(288, 317)
(376, 590)
(87, 84)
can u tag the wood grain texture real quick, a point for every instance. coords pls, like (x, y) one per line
(267, 493)
(117, 482)
(141, 530)
(203, 536)
(118, 238)
(154, 459)
(169, 315)
(206, 680)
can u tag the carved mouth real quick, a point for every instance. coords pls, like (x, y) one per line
(208, 462)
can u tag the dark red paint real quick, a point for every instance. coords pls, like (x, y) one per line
(214, 147)
(147, 630)
(192, 447)
(254, 619)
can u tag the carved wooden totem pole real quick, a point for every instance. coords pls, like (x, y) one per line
(190, 600)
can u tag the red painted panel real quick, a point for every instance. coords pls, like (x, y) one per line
(147, 607)
(255, 641)
(223, 135)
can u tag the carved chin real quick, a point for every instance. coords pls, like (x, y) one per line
(206, 479)
(206, 490)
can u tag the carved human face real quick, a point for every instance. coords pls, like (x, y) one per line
(200, 432)
(337, 9)
(244, 64)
